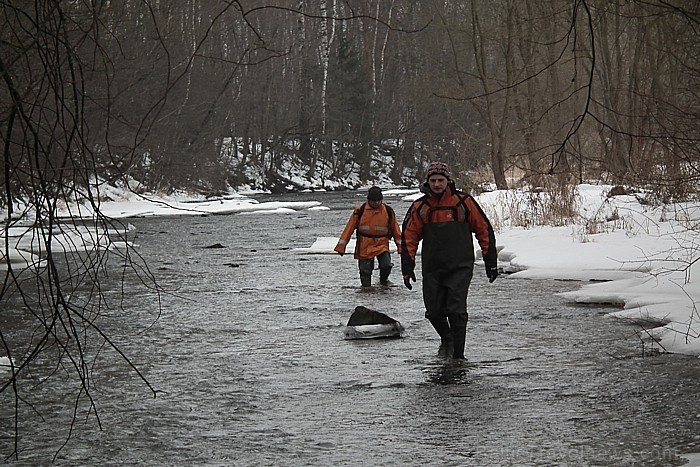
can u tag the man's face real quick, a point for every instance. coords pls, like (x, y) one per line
(437, 183)
(375, 203)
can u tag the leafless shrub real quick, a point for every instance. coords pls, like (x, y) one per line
(555, 204)
(53, 305)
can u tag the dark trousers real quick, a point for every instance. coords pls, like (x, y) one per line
(366, 267)
(445, 298)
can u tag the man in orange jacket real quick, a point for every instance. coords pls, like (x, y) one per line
(374, 223)
(445, 219)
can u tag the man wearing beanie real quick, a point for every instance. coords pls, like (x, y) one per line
(445, 219)
(374, 223)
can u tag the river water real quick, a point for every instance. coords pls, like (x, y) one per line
(250, 366)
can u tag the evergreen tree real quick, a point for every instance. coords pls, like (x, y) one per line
(349, 99)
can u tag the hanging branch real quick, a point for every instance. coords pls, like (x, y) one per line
(48, 161)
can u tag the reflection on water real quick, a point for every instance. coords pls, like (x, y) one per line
(251, 367)
(450, 372)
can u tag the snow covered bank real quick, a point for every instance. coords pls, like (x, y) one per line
(645, 253)
(638, 257)
(25, 242)
(156, 206)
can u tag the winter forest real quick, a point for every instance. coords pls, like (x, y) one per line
(209, 95)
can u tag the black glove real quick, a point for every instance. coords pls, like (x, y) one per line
(407, 278)
(491, 264)
(407, 267)
(491, 270)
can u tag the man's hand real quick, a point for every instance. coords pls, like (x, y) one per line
(408, 265)
(407, 278)
(491, 270)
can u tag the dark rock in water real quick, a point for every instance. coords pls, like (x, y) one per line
(363, 316)
(215, 245)
(369, 324)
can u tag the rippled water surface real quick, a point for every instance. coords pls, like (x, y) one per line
(250, 367)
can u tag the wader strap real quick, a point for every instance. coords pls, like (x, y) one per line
(461, 204)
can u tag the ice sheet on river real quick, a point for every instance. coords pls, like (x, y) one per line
(325, 245)
(26, 242)
(155, 207)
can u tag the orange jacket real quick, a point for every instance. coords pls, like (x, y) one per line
(417, 218)
(373, 232)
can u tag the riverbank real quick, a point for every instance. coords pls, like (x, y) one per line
(639, 257)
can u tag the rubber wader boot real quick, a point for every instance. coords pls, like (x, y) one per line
(443, 329)
(384, 275)
(459, 336)
(366, 267)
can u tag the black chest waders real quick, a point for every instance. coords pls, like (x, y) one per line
(448, 266)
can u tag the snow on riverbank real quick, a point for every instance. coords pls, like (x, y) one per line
(646, 254)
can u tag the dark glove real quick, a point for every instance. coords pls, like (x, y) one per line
(407, 267)
(491, 270)
(407, 278)
(491, 264)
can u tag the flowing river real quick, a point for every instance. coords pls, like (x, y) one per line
(251, 368)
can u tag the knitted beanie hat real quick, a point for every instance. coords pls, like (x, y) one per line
(375, 194)
(438, 168)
